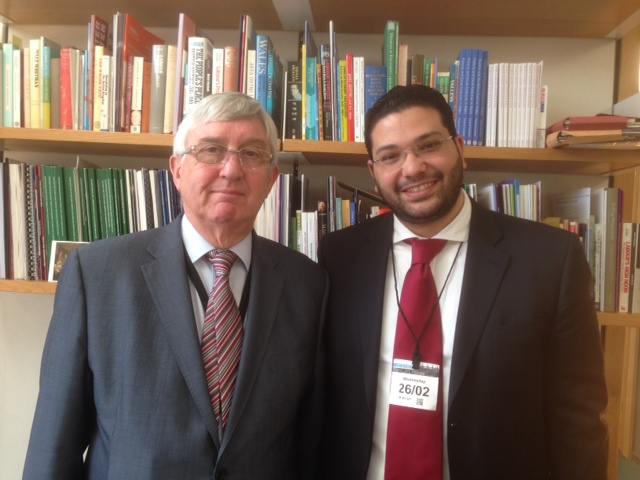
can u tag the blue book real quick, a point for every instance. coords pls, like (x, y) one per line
(464, 81)
(375, 78)
(263, 46)
(481, 99)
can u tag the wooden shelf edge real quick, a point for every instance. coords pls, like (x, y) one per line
(607, 319)
(553, 160)
(28, 286)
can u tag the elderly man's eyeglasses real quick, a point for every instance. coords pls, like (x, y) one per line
(215, 154)
(424, 150)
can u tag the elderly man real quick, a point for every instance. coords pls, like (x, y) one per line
(193, 350)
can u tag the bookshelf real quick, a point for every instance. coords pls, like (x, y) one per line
(363, 27)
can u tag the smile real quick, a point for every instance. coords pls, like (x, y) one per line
(420, 188)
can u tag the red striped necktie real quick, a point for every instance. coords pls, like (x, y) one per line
(222, 335)
(414, 436)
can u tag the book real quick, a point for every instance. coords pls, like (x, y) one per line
(105, 105)
(263, 46)
(593, 122)
(217, 84)
(198, 76)
(231, 66)
(35, 76)
(186, 28)
(55, 220)
(137, 83)
(98, 92)
(294, 100)
(390, 52)
(98, 30)
(247, 42)
(624, 280)
(350, 100)
(358, 98)
(170, 91)
(250, 70)
(582, 137)
(9, 67)
(137, 41)
(158, 88)
(18, 93)
(309, 84)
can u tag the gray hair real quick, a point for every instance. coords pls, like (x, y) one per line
(225, 107)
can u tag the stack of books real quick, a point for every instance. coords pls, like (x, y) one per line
(602, 129)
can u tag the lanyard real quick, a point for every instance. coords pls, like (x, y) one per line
(416, 353)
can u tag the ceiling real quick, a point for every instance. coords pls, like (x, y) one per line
(538, 18)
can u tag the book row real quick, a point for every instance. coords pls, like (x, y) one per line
(40, 204)
(328, 95)
(128, 79)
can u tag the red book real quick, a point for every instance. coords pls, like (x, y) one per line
(138, 42)
(350, 98)
(66, 105)
(593, 122)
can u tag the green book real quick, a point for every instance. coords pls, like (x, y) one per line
(91, 204)
(72, 204)
(55, 219)
(390, 51)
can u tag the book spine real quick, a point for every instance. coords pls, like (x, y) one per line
(170, 89)
(218, 71)
(230, 69)
(294, 100)
(105, 105)
(17, 89)
(391, 36)
(7, 66)
(136, 95)
(327, 92)
(344, 115)
(66, 114)
(350, 99)
(624, 282)
(45, 107)
(263, 46)
(97, 88)
(36, 78)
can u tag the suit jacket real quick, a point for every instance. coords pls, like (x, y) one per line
(527, 387)
(122, 372)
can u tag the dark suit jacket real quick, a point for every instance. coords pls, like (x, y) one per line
(122, 371)
(527, 386)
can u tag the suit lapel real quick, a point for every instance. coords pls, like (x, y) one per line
(266, 288)
(370, 263)
(484, 269)
(168, 286)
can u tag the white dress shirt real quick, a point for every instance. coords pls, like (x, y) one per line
(457, 234)
(197, 247)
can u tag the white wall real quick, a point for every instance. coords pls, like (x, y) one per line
(580, 75)
(24, 319)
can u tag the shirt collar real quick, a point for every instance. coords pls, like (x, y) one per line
(197, 246)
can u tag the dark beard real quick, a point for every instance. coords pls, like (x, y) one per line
(450, 195)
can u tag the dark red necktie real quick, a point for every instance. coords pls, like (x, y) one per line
(414, 436)
(221, 337)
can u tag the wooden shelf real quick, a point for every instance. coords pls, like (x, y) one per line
(28, 286)
(487, 159)
(92, 143)
(524, 18)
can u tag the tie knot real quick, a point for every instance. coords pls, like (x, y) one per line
(423, 251)
(221, 260)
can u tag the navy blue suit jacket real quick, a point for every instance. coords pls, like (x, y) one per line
(527, 387)
(122, 372)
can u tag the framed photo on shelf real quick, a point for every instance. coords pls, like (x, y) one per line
(60, 250)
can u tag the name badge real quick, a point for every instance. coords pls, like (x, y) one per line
(414, 388)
